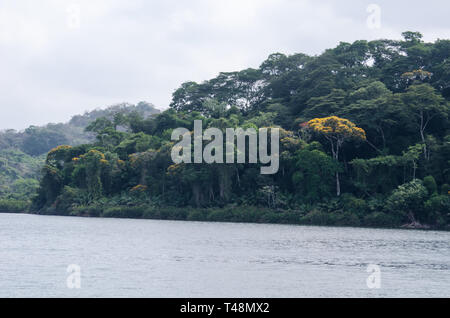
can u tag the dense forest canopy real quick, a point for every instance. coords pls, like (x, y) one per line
(364, 140)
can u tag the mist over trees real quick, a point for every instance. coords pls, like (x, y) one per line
(36, 141)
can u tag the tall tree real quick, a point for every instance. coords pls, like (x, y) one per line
(337, 131)
(425, 104)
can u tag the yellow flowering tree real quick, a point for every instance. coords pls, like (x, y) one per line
(337, 131)
(58, 155)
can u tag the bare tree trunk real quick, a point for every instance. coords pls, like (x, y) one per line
(383, 137)
(335, 151)
(338, 184)
(425, 148)
(423, 126)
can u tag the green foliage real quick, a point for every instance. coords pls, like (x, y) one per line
(18, 174)
(391, 96)
(382, 220)
(445, 189)
(93, 210)
(39, 140)
(36, 141)
(438, 210)
(356, 206)
(197, 215)
(430, 183)
(408, 200)
(13, 206)
(123, 212)
(348, 219)
(317, 217)
(314, 178)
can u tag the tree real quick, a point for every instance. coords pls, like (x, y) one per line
(430, 183)
(99, 125)
(414, 37)
(337, 131)
(88, 171)
(314, 175)
(412, 156)
(119, 119)
(141, 162)
(408, 199)
(326, 105)
(214, 109)
(244, 89)
(425, 104)
(378, 175)
(374, 108)
(39, 140)
(189, 97)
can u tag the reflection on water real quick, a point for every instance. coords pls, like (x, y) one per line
(140, 258)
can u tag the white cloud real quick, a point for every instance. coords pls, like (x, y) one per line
(132, 50)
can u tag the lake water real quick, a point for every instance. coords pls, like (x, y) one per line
(140, 258)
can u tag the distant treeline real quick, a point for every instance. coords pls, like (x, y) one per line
(23, 153)
(36, 141)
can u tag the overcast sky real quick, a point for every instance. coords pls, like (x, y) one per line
(60, 58)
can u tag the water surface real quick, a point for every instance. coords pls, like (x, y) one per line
(144, 258)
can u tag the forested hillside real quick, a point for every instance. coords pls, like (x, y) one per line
(23, 153)
(365, 141)
(36, 141)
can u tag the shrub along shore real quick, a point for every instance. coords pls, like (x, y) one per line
(13, 206)
(232, 214)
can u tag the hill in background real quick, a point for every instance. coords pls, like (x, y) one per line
(22, 153)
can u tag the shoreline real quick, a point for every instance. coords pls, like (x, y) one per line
(188, 218)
